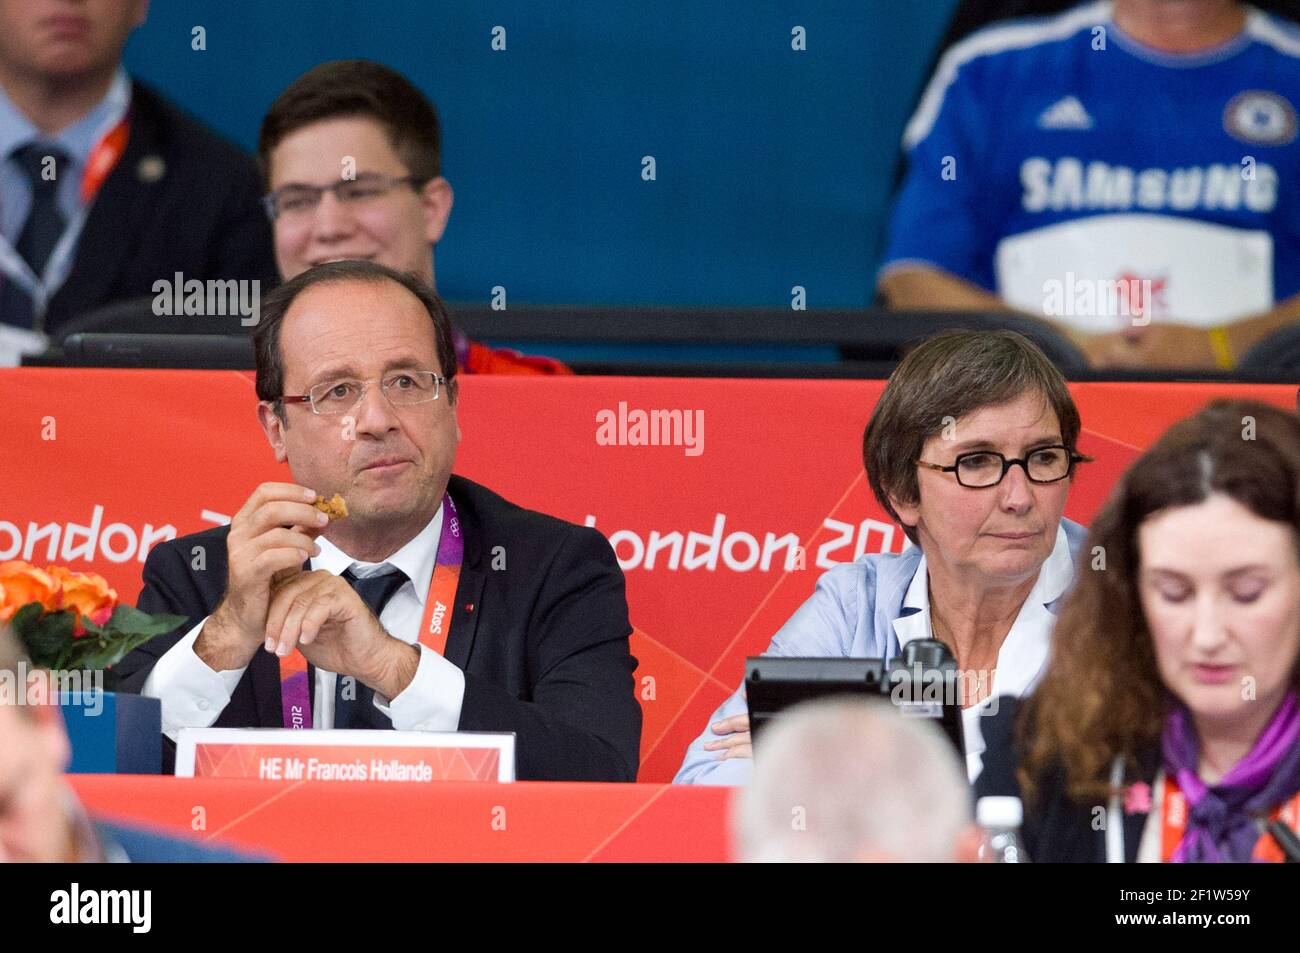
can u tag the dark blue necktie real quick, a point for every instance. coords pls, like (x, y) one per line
(42, 165)
(360, 712)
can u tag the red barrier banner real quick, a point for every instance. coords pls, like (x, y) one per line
(723, 499)
(316, 821)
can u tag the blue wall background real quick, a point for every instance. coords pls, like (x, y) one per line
(774, 167)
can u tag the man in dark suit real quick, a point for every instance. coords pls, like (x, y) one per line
(356, 375)
(107, 187)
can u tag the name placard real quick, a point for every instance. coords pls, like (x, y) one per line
(395, 757)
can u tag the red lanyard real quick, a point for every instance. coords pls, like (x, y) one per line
(1173, 822)
(108, 150)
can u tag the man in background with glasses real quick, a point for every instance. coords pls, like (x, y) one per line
(352, 156)
(433, 605)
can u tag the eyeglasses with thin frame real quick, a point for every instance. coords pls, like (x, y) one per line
(980, 469)
(402, 388)
(298, 200)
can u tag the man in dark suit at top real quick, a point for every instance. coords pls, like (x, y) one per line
(107, 188)
(356, 376)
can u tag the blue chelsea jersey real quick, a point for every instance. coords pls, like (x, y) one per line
(1051, 153)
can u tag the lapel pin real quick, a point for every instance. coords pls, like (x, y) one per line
(151, 168)
(1137, 799)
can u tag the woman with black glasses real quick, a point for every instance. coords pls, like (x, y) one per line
(972, 450)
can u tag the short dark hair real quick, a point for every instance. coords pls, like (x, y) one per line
(948, 376)
(352, 88)
(266, 339)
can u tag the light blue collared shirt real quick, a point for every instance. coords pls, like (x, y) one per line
(868, 609)
(76, 141)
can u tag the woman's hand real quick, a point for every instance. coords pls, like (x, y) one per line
(736, 742)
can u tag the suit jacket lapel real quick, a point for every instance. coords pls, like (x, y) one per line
(1148, 766)
(464, 616)
(1134, 825)
(469, 589)
(116, 215)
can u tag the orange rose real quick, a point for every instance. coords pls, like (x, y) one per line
(87, 594)
(23, 583)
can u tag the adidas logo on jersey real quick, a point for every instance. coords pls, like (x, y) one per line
(1067, 113)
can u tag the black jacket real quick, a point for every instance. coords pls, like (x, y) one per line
(1056, 828)
(543, 642)
(201, 218)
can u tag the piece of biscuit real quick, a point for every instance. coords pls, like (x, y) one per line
(334, 508)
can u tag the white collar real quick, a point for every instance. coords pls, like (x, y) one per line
(915, 624)
(416, 558)
(1057, 573)
(1054, 577)
(1022, 658)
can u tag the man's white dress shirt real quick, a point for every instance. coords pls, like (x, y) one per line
(194, 695)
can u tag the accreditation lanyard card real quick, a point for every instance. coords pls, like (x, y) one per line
(347, 754)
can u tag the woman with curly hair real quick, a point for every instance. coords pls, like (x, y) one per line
(1167, 727)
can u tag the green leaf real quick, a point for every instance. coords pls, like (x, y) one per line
(42, 646)
(47, 636)
(26, 615)
(101, 653)
(39, 637)
(128, 620)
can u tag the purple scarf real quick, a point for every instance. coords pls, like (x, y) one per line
(1221, 820)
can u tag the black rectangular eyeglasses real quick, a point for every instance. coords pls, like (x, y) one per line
(979, 469)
